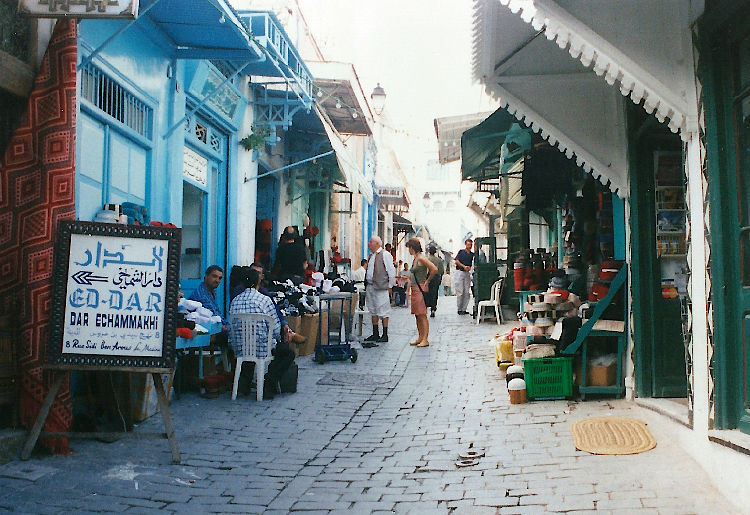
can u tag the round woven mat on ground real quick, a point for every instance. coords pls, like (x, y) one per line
(612, 435)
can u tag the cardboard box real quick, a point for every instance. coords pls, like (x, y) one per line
(143, 394)
(601, 376)
(295, 323)
(308, 328)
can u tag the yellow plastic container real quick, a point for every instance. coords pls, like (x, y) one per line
(503, 351)
(506, 350)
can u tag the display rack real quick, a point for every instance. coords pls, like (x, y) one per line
(670, 204)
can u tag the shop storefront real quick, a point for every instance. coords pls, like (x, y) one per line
(657, 116)
(724, 46)
(161, 103)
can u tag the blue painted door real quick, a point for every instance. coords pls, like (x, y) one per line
(267, 208)
(204, 205)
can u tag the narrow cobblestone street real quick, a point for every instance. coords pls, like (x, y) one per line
(381, 435)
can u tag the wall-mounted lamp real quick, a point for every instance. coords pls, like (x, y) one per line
(378, 99)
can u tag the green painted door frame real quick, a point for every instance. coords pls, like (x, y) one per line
(642, 263)
(719, 29)
(655, 355)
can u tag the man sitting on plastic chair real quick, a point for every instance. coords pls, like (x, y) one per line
(253, 302)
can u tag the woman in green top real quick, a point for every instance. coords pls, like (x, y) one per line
(422, 270)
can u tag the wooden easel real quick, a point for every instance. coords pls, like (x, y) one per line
(59, 376)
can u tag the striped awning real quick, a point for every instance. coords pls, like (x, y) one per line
(553, 65)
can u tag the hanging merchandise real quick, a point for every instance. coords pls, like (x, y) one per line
(520, 271)
(547, 177)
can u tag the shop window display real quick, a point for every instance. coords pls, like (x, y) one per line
(670, 222)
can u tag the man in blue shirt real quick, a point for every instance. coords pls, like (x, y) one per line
(205, 293)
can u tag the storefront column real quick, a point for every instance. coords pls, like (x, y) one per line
(629, 364)
(366, 231)
(698, 299)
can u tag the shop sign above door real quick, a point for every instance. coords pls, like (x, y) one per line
(195, 167)
(115, 295)
(79, 8)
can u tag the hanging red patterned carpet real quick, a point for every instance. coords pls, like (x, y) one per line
(37, 177)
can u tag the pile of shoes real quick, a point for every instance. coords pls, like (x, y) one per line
(295, 300)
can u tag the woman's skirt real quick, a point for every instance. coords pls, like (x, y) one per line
(418, 306)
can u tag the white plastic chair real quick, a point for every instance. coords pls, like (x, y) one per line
(247, 325)
(360, 313)
(495, 295)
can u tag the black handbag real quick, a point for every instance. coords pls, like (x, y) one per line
(288, 383)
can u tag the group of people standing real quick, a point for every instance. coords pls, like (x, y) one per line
(379, 275)
(426, 270)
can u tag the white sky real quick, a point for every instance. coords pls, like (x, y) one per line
(419, 51)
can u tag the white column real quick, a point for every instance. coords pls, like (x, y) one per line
(698, 287)
(629, 365)
(242, 213)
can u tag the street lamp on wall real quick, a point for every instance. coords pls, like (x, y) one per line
(426, 200)
(378, 99)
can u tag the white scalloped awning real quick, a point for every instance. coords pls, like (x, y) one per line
(355, 180)
(552, 64)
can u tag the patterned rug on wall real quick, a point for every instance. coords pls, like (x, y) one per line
(37, 177)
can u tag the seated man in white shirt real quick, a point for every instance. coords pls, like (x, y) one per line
(252, 301)
(358, 276)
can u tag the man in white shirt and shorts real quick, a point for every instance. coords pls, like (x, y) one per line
(380, 278)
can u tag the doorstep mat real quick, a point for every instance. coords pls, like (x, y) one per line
(612, 435)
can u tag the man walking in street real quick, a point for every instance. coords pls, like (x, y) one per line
(462, 276)
(380, 278)
(432, 294)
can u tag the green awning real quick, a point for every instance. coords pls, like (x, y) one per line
(493, 146)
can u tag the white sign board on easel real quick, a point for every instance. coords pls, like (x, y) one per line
(115, 296)
(116, 291)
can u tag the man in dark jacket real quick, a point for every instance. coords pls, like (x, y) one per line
(432, 293)
(290, 258)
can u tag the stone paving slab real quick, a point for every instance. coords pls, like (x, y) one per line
(377, 436)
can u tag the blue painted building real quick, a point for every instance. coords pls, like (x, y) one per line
(163, 102)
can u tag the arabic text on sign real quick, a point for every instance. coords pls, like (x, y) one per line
(195, 167)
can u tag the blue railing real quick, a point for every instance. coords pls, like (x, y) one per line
(268, 32)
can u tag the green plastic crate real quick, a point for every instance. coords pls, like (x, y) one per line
(548, 378)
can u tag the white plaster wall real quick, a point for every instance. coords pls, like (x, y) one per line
(285, 208)
(243, 212)
(727, 468)
(697, 257)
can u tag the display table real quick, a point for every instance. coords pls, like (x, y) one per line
(199, 343)
(597, 327)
